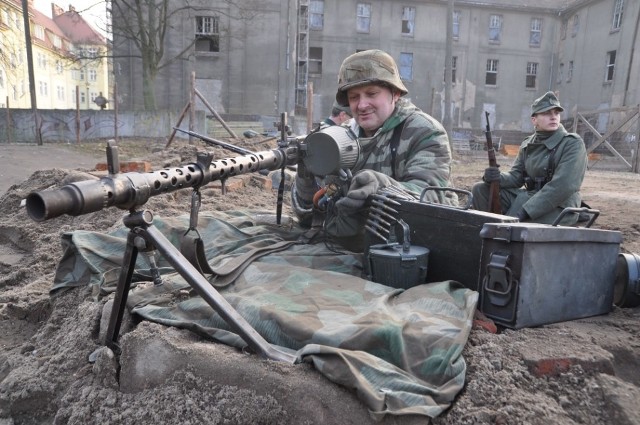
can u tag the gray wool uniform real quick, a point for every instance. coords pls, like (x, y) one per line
(555, 169)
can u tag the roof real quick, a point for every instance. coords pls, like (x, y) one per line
(76, 28)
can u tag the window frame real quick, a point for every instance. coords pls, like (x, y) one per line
(618, 10)
(207, 33)
(363, 21)
(491, 69)
(535, 30)
(495, 28)
(610, 66)
(316, 10)
(455, 33)
(316, 60)
(404, 67)
(531, 78)
(408, 21)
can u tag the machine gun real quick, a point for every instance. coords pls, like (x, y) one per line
(320, 152)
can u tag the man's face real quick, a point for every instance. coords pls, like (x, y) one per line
(371, 105)
(546, 121)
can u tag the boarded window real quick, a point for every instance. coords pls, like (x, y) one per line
(363, 17)
(406, 66)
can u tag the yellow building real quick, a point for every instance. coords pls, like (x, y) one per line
(69, 59)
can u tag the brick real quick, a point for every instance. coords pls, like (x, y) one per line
(510, 150)
(128, 166)
(548, 358)
(232, 184)
(263, 182)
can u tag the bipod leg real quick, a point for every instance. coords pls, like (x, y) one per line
(124, 284)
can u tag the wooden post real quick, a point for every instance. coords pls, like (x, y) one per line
(9, 135)
(309, 107)
(192, 107)
(115, 111)
(173, 132)
(636, 155)
(77, 114)
(215, 114)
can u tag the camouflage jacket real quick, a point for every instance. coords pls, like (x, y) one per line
(569, 163)
(423, 156)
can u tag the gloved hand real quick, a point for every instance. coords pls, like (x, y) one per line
(523, 215)
(364, 184)
(491, 174)
(305, 187)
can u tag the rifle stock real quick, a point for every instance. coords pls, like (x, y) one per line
(494, 190)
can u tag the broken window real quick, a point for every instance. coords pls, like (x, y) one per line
(315, 60)
(207, 34)
(491, 77)
(408, 20)
(611, 62)
(532, 74)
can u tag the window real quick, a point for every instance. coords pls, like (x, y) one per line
(93, 75)
(38, 30)
(454, 65)
(81, 74)
(59, 67)
(563, 30)
(315, 60)
(93, 96)
(456, 24)
(83, 97)
(363, 19)
(617, 14)
(42, 61)
(570, 71)
(611, 62)
(408, 20)
(560, 73)
(491, 77)
(57, 41)
(44, 89)
(495, 28)
(535, 34)
(92, 52)
(575, 26)
(406, 66)
(316, 14)
(532, 73)
(60, 92)
(207, 34)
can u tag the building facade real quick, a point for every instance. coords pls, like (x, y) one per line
(272, 56)
(69, 59)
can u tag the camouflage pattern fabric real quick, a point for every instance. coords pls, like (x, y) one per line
(400, 349)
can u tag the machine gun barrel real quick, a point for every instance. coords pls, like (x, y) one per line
(130, 190)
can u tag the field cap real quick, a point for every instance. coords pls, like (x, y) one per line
(545, 103)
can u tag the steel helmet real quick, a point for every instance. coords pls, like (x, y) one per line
(367, 67)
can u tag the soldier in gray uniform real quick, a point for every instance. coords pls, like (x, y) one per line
(547, 173)
(400, 145)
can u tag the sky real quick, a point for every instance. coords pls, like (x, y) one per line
(93, 11)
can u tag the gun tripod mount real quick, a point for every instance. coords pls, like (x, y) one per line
(143, 236)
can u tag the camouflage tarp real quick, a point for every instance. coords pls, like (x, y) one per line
(400, 349)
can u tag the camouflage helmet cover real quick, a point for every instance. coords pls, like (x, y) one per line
(367, 67)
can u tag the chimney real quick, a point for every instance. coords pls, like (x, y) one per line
(71, 8)
(56, 10)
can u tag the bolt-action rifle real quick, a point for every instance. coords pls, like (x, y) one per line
(494, 189)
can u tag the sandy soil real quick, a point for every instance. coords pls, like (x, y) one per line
(46, 376)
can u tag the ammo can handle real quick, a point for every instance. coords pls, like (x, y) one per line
(448, 189)
(594, 215)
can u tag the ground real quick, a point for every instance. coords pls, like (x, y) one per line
(577, 372)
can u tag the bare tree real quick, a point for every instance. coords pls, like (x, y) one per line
(145, 23)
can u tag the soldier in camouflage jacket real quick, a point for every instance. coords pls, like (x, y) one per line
(369, 83)
(547, 173)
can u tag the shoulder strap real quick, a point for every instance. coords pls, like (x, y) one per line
(393, 144)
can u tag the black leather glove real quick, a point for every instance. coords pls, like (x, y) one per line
(523, 215)
(491, 174)
(364, 184)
